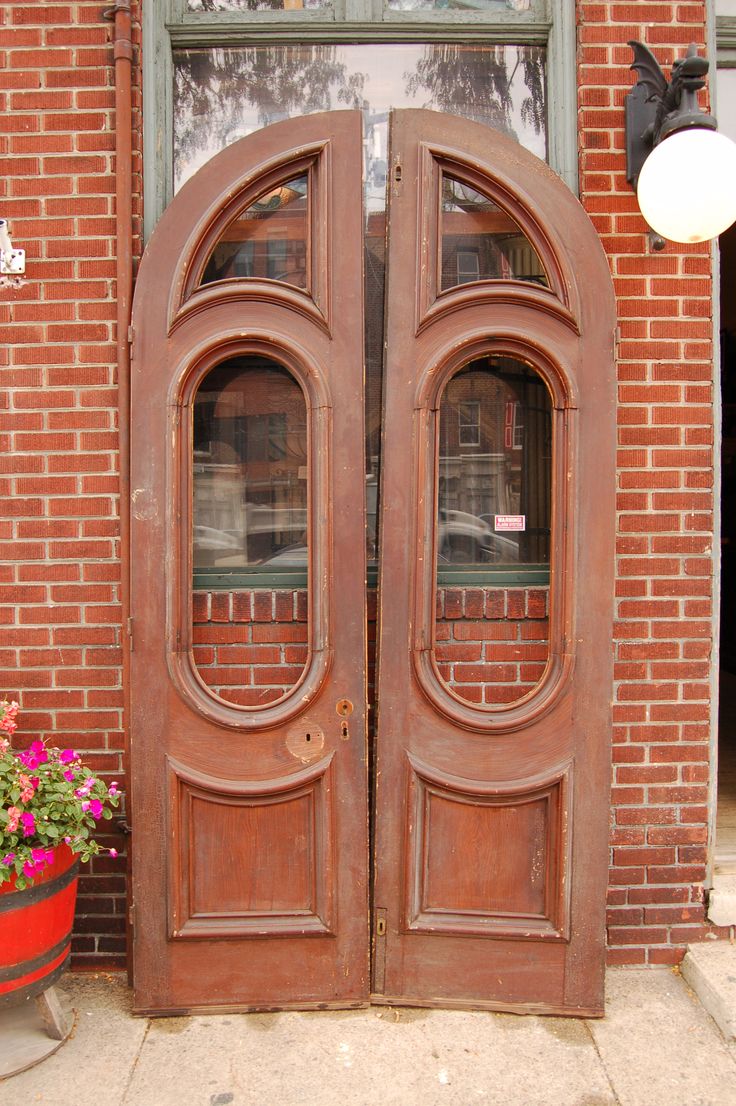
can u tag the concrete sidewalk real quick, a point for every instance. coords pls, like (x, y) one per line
(656, 1046)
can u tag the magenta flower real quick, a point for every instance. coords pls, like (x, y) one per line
(8, 858)
(95, 809)
(34, 756)
(113, 852)
(68, 775)
(67, 755)
(28, 822)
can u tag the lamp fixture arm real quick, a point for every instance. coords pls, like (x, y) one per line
(656, 107)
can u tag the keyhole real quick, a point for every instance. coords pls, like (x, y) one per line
(309, 737)
(344, 732)
(397, 174)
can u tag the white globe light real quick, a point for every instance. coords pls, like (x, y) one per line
(687, 185)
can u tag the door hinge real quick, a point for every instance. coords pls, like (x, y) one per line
(130, 633)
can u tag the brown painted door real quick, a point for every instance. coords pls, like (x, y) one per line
(495, 587)
(250, 798)
(249, 782)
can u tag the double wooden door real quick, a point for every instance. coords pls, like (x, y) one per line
(280, 858)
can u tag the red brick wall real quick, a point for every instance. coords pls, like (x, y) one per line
(492, 643)
(250, 646)
(60, 637)
(665, 501)
(60, 634)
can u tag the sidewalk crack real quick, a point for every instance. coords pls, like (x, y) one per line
(591, 1034)
(134, 1065)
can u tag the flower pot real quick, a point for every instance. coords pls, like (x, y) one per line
(36, 929)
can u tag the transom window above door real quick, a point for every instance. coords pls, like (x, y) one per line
(215, 70)
(223, 95)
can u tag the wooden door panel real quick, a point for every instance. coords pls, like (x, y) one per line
(492, 817)
(250, 813)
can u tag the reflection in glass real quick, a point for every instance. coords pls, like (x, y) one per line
(221, 95)
(251, 5)
(249, 468)
(494, 478)
(459, 5)
(481, 242)
(268, 239)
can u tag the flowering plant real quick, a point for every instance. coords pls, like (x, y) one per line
(47, 797)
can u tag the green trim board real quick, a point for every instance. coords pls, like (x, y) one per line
(496, 576)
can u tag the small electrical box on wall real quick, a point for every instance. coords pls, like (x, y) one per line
(12, 261)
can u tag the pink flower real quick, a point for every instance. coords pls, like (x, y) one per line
(13, 818)
(95, 809)
(34, 756)
(39, 859)
(28, 822)
(68, 775)
(7, 722)
(8, 859)
(67, 755)
(27, 788)
(113, 852)
(113, 788)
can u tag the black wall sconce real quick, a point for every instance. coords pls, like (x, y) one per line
(683, 170)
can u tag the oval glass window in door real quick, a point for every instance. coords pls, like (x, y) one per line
(493, 530)
(250, 539)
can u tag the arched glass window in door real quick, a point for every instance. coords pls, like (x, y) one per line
(481, 241)
(249, 512)
(268, 240)
(494, 522)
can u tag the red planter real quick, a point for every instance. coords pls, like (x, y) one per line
(36, 929)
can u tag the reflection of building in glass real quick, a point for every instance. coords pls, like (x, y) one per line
(480, 241)
(494, 459)
(267, 240)
(250, 464)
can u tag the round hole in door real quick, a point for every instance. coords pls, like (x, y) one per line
(493, 537)
(250, 535)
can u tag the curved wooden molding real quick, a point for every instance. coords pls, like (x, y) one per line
(249, 290)
(498, 178)
(185, 380)
(560, 664)
(498, 292)
(216, 208)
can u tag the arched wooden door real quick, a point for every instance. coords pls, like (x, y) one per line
(249, 765)
(249, 781)
(495, 661)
